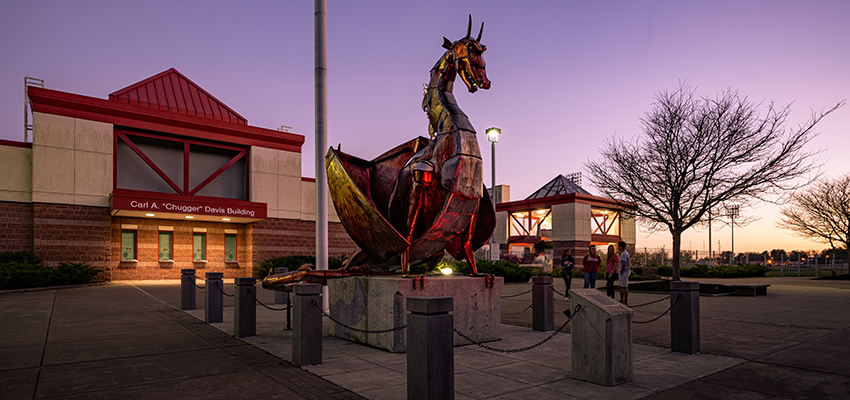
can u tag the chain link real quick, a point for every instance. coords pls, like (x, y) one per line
(515, 295)
(556, 291)
(222, 290)
(199, 287)
(261, 303)
(651, 302)
(398, 328)
(662, 314)
(484, 346)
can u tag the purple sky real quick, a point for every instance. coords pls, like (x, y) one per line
(566, 75)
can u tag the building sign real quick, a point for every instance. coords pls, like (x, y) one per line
(191, 206)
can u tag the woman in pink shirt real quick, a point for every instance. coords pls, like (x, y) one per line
(611, 266)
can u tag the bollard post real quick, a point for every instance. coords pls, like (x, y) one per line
(430, 348)
(542, 304)
(245, 308)
(187, 289)
(307, 329)
(214, 301)
(684, 317)
(281, 297)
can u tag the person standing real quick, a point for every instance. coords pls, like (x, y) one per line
(591, 264)
(625, 271)
(611, 268)
(567, 266)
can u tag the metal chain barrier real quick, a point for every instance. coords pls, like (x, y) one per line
(484, 346)
(196, 285)
(662, 314)
(651, 302)
(398, 328)
(222, 290)
(270, 308)
(556, 291)
(515, 295)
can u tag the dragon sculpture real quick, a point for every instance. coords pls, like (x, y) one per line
(421, 198)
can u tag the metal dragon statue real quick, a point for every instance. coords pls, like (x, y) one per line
(421, 198)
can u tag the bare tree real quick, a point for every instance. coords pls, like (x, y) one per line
(821, 213)
(699, 152)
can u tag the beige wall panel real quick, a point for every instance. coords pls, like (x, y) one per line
(92, 174)
(92, 136)
(19, 197)
(288, 193)
(16, 170)
(52, 130)
(289, 214)
(264, 189)
(55, 198)
(500, 233)
(571, 221)
(289, 163)
(53, 170)
(263, 160)
(97, 201)
(629, 230)
(308, 201)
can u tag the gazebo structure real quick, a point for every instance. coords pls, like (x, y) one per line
(562, 215)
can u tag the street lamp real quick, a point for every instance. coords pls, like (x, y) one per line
(710, 254)
(493, 136)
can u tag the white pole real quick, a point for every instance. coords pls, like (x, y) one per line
(321, 77)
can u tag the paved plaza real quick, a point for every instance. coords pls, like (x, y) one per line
(128, 340)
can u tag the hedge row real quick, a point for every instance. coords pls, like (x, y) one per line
(717, 271)
(21, 270)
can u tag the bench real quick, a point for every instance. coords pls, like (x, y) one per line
(751, 290)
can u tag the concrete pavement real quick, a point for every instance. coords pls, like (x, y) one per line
(127, 340)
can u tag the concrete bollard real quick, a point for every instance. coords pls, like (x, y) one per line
(281, 297)
(684, 317)
(187, 289)
(245, 308)
(542, 304)
(307, 329)
(430, 348)
(214, 301)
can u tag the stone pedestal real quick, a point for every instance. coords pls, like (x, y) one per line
(684, 317)
(375, 303)
(601, 339)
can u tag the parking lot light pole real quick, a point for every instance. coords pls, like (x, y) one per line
(493, 136)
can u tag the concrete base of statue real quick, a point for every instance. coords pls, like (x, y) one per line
(379, 302)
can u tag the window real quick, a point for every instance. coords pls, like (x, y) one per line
(128, 245)
(230, 247)
(199, 246)
(166, 246)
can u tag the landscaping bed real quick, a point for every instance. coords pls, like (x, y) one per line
(664, 286)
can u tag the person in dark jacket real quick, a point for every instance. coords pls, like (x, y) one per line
(567, 265)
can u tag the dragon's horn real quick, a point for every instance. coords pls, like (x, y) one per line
(480, 32)
(469, 27)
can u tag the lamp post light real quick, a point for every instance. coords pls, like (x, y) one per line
(710, 254)
(733, 211)
(493, 136)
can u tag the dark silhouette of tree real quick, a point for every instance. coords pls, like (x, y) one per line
(821, 213)
(699, 152)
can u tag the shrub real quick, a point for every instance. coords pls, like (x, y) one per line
(266, 265)
(509, 270)
(23, 270)
(558, 272)
(718, 271)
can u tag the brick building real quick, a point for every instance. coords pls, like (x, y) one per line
(562, 215)
(158, 177)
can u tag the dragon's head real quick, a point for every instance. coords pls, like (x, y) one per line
(466, 54)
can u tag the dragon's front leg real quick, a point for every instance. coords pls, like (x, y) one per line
(418, 202)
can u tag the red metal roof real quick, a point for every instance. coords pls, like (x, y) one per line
(173, 91)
